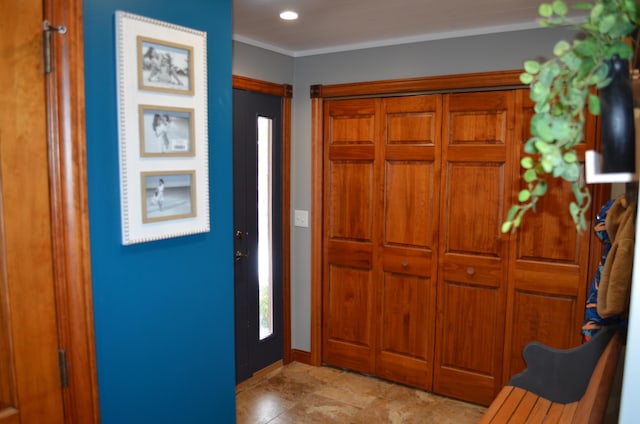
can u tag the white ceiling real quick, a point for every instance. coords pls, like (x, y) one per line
(337, 25)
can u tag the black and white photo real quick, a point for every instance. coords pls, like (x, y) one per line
(164, 66)
(166, 131)
(167, 195)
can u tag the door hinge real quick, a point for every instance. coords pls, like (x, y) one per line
(47, 29)
(62, 363)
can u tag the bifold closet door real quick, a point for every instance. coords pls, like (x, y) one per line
(476, 185)
(350, 265)
(409, 210)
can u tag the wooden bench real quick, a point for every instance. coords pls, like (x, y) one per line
(560, 386)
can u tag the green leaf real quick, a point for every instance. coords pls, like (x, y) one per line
(526, 78)
(630, 7)
(539, 91)
(506, 226)
(547, 165)
(545, 10)
(512, 212)
(529, 146)
(574, 209)
(526, 162)
(572, 60)
(542, 130)
(571, 172)
(517, 221)
(542, 146)
(559, 7)
(557, 169)
(594, 104)
(532, 66)
(599, 73)
(540, 189)
(561, 47)
(570, 157)
(586, 47)
(560, 128)
(606, 23)
(530, 175)
(524, 195)
(596, 11)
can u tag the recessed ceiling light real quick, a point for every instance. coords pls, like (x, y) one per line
(289, 15)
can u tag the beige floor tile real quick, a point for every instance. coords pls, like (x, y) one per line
(302, 394)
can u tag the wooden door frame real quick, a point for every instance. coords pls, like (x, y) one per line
(286, 92)
(69, 210)
(319, 93)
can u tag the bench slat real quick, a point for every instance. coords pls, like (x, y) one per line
(539, 411)
(569, 412)
(496, 405)
(524, 409)
(554, 414)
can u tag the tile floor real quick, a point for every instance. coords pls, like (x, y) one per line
(302, 394)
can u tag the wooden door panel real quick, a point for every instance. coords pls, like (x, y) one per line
(545, 236)
(350, 180)
(409, 200)
(479, 119)
(467, 346)
(350, 200)
(405, 341)
(548, 267)
(471, 304)
(475, 198)
(410, 207)
(349, 308)
(540, 317)
(403, 315)
(468, 351)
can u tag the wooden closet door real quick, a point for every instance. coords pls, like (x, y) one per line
(549, 269)
(476, 192)
(351, 181)
(409, 208)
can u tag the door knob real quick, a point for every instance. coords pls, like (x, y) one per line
(240, 254)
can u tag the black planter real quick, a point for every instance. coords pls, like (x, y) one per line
(618, 134)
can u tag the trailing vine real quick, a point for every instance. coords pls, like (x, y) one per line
(564, 89)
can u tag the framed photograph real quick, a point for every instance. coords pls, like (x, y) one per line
(165, 66)
(167, 195)
(166, 131)
(162, 129)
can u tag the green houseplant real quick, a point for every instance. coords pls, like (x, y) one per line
(564, 89)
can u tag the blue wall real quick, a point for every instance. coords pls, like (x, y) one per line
(163, 310)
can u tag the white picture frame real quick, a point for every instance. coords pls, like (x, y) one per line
(179, 94)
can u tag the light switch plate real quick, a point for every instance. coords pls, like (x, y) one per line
(300, 218)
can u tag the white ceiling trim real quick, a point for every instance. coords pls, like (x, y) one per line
(393, 41)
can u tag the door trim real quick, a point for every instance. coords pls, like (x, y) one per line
(319, 93)
(286, 92)
(69, 209)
